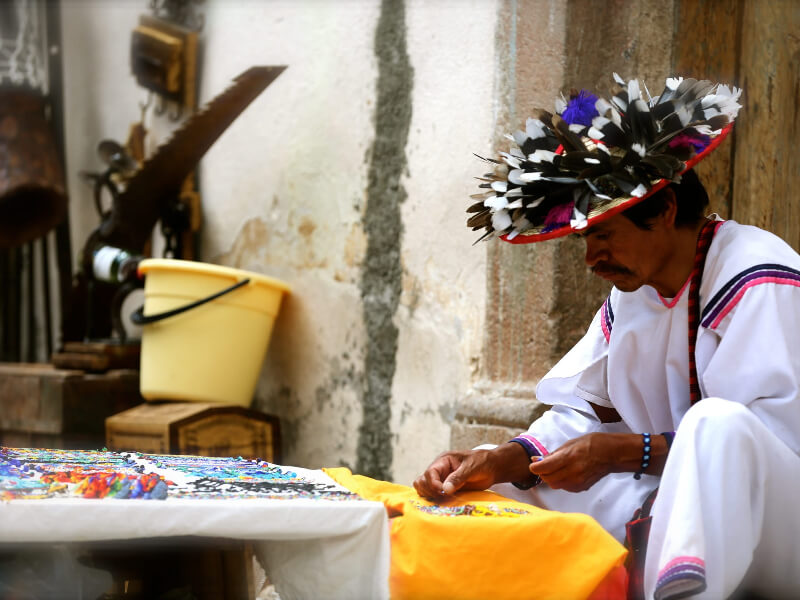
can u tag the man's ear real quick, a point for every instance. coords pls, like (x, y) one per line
(670, 212)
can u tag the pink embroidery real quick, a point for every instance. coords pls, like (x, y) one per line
(604, 327)
(734, 301)
(537, 444)
(682, 560)
(674, 301)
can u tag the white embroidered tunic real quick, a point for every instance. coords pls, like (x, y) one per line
(725, 503)
(634, 356)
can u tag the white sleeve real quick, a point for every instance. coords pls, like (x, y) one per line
(581, 375)
(757, 357)
(560, 424)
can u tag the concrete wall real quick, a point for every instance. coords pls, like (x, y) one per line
(347, 178)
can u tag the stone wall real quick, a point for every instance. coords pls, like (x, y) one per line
(541, 297)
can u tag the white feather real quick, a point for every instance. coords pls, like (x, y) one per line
(496, 202)
(515, 204)
(511, 161)
(591, 161)
(534, 128)
(600, 122)
(595, 134)
(673, 83)
(501, 220)
(649, 97)
(514, 176)
(602, 106)
(633, 90)
(619, 79)
(638, 148)
(530, 176)
(639, 191)
(539, 156)
(500, 186)
(578, 220)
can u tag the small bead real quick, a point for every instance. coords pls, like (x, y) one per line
(647, 448)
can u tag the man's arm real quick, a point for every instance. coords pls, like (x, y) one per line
(581, 462)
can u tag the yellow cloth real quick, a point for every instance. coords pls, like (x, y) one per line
(484, 546)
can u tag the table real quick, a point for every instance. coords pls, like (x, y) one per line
(317, 539)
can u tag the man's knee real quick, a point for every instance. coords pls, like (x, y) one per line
(718, 416)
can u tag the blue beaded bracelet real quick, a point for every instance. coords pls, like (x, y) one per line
(645, 456)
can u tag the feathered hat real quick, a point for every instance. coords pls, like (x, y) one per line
(594, 157)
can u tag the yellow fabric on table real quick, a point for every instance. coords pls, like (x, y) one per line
(480, 545)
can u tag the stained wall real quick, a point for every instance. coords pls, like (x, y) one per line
(347, 178)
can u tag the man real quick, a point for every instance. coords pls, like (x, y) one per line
(688, 379)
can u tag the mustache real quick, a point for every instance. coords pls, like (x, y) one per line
(609, 269)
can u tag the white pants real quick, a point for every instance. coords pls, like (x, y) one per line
(727, 514)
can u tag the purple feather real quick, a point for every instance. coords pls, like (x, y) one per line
(697, 141)
(558, 216)
(580, 109)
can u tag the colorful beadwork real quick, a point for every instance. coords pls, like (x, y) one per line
(33, 473)
(470, 510)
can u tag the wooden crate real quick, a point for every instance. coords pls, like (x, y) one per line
(45, 407)
(202, 428)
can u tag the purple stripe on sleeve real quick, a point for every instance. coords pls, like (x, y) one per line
(720, 306)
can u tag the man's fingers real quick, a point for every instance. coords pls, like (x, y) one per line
(545, 465)
(428, 484)
(455, 481)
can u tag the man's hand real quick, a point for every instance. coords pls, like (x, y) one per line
(577, 465)
(581, 462)
(472, 470)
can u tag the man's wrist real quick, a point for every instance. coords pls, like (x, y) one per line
(527, 480)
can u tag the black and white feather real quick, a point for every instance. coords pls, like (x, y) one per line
(594, 153)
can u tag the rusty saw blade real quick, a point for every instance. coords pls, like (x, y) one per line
(137, 209)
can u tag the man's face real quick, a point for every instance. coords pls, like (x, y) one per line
(627, 256)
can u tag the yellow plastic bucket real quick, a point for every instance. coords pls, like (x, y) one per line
(206, 330)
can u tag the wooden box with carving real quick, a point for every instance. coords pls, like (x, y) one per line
(201, 428)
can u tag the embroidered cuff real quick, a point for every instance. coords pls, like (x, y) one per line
(531, 447)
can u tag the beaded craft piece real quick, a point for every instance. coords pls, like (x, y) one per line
(470, 510)
(211, 477)
(34, 473)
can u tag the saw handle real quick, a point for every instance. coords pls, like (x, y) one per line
(139, 318)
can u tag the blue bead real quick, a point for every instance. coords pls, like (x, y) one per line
(647, 448)
(646, 458)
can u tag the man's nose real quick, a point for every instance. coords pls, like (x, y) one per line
(594, 252)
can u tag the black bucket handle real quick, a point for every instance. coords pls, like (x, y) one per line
(139, 318)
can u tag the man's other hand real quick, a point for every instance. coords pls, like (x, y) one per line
(581, 462)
